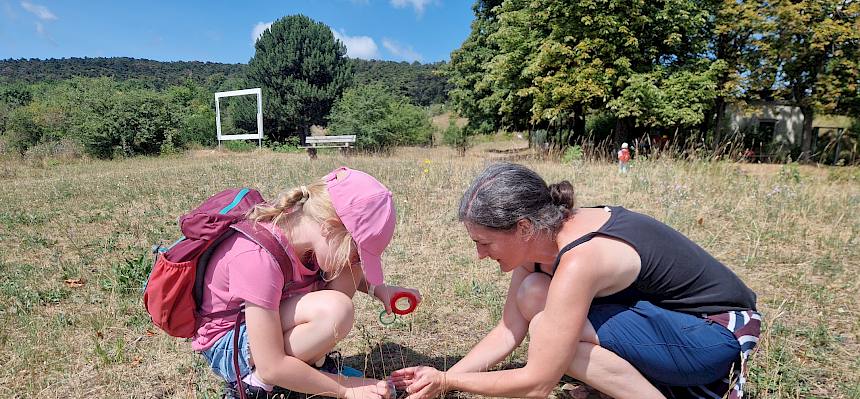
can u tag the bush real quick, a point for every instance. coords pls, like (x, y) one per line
(290, 145)
(64, 148)
(599, 125)
(138, 125)
(198, 128)
(22, 132)
(572, 153)
(456, 137)
(379, 119)
(437, 109)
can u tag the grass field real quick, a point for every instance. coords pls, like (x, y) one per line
(75, 241)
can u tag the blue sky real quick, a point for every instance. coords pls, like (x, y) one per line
(224, 31)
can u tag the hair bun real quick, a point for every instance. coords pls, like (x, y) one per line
(562, 194)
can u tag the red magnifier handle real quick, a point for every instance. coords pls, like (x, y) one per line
(413, 303)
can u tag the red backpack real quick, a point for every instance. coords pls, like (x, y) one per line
(174, 289)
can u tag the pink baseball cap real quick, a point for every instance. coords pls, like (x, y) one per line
(366, 208)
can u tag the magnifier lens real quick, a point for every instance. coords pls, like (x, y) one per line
(386, 319)
(402, 304)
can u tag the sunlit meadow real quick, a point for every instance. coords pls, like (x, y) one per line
(75, 240)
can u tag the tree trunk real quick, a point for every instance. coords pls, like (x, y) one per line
(578, 124)
(806, 137)
(718, 123)
(705, 126)
(622, 130)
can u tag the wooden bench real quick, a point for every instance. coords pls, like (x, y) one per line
(344, 141)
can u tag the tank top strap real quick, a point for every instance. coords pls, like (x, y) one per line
(568, 247)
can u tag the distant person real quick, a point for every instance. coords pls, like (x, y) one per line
(608, 296)
(624, 158)
(334, 232)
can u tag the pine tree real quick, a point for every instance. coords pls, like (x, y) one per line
(302, 70)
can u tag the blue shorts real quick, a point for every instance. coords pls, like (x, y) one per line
(669, 348)
(220, 355)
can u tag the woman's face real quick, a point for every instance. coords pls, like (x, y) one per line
(503, 246)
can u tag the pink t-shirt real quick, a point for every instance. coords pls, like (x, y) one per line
(241, 271)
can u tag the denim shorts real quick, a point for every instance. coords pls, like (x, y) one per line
(220, 355)
(669, 348)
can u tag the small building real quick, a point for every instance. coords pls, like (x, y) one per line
(772, 130)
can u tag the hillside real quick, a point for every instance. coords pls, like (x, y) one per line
(417, 81)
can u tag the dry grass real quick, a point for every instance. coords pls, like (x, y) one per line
(790, 232)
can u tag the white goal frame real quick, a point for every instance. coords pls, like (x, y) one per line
(259, 136)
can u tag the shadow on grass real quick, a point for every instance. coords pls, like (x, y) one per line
(388, 356)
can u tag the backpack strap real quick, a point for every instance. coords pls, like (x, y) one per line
(264, 238)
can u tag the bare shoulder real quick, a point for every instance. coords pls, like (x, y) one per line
(610, 263)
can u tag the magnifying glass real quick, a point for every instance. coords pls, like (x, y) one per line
(402, 303)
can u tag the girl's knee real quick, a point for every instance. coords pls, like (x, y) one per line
(531, 295)
(331, 307)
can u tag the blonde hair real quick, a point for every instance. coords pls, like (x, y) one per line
(310, 201)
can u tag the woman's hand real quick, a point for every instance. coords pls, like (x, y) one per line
(420, 382)
(370, 389)
(385, 292)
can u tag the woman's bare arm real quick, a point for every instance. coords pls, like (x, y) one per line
(502, 339)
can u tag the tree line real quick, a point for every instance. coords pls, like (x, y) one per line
(125, 107)
(419, 82)
(653, 66)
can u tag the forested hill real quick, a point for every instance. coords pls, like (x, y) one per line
(417, 81)
(156, 73)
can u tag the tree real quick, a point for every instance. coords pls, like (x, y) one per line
(302, 70)
(472, 92)
(812, 49)
(599, 53)
(734, 44)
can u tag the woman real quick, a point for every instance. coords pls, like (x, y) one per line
(610, 297)
(334, 232)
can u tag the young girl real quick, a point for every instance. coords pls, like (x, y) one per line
(334, 232)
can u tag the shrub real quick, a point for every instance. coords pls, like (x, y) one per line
(22, 132)
(290, 145)
(379, 118)
(198, 128)
(572, 153)
(64, 148)
(456, 137)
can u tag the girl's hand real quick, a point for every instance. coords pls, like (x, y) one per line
(384, 293)
(370, 389)
(421, 382)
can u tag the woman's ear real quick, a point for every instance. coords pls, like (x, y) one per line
(525, 229)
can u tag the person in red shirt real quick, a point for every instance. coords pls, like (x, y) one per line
(624, 158)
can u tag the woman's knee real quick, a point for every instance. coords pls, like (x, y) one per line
(531, 296)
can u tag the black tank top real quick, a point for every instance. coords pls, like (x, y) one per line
(676, 273)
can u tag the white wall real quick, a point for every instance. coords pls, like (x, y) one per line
(789, 120)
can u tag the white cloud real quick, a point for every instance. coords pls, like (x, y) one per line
(363, 47)
(418, 5)
(405, 53)
(40, 12)
(258, 30)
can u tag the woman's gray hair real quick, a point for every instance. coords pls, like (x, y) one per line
(504, 193)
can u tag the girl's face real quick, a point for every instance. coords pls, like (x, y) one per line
(322, 257)
(503, 246)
